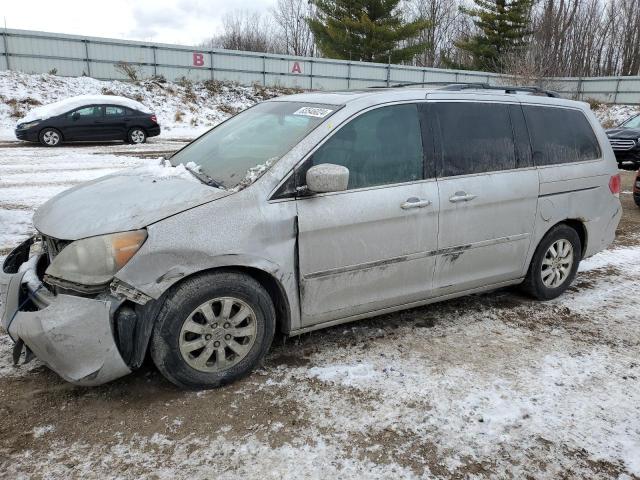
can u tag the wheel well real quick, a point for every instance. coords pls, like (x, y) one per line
(50, 128)
(270, 284)
(580, 229)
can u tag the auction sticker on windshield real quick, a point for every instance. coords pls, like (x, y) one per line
(313, 112)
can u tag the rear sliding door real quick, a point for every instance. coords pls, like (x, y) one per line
(488, 193)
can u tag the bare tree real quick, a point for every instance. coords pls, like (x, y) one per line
(446, 23)
(248, 31)
(291, 18)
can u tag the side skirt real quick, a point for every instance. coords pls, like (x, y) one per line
(404, 306)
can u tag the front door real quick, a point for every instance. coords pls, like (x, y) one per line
(84, 123)
(488, 194)
(371, 246)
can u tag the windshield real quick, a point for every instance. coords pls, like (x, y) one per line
(238, 151)
(632, 122)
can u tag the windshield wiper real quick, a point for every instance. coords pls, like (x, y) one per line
(204, 178)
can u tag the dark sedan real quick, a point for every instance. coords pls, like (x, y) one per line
(625, 141)
(94, 122)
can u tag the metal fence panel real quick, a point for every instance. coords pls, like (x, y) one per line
(49, 47)
(72, 55)
(66, 68)
(3, 57)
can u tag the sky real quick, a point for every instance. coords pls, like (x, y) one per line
(186, 22)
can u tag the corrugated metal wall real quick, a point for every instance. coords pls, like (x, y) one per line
(71, 55)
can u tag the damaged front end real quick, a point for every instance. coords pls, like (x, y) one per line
(88, 336)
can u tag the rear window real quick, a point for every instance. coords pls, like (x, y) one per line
(474, 138)
(560, 135)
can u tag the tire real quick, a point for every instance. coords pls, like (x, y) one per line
(136, 136)
(184, 332)
(546, 285)
(50, 137)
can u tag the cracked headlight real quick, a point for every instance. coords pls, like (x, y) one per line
(95, 260)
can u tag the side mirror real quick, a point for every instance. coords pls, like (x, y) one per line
(75, 116)
(327, 177)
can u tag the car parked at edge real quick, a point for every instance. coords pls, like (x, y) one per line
(304, 212)
(636, 189)
(88, 118)
(625, 141)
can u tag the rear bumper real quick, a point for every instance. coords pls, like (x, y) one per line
(72, 335)
(153, 131)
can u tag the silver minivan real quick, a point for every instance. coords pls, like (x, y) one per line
(304, 212)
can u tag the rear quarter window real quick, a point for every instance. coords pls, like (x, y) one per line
(560, 135)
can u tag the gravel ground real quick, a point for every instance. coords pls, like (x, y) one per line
(487, 386)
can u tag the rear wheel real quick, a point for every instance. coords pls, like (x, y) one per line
(212, 330)
(136, 135)
(554, 264)
(50, 137)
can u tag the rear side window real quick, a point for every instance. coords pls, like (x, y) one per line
(473, 138)
(560, 135)
(115, 111)
(379, 147)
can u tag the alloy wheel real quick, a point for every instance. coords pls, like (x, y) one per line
(51, 137)
(137, 136)
(557, 263)
(218, 334)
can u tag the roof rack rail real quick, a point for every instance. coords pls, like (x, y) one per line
(477, 86)
(505, 88)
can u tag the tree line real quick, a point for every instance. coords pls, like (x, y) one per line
(530, 38)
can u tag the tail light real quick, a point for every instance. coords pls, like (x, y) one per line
(614, 184)
(154, 119)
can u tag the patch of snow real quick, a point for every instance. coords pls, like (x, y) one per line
(164, 170)
(254, 173)
(623, 258)
(63, 106)
(348, 375)
(613, 115)
(40, 431)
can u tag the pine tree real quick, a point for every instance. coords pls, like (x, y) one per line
(366, 30)
(503, 31)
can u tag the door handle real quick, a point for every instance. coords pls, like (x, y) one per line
(461, 197)
(415, 202)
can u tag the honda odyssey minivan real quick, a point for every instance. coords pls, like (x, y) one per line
(304, 212)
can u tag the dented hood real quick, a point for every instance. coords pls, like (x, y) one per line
(127, 200)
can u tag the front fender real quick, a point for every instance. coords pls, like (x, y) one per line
(155, 273)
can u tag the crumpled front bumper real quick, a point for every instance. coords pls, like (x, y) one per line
(72, 335)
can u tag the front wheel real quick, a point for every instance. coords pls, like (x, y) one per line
(554, 264)
(213, 329)
(136, 135)
(50, 137)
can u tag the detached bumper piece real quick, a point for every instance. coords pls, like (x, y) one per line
(72, 335)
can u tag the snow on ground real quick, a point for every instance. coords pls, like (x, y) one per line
(613, 115)
(184, 109)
